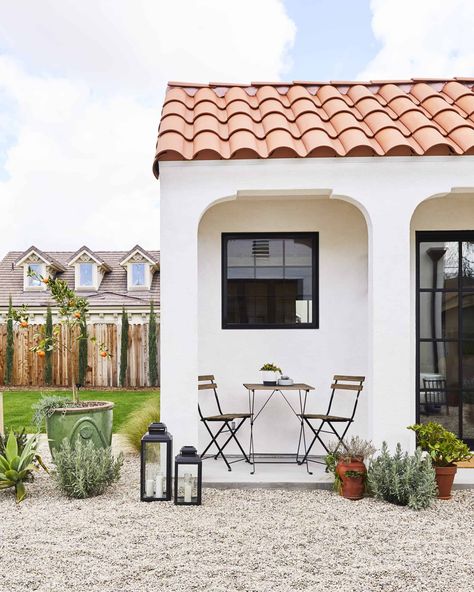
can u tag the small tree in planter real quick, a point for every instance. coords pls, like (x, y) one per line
(445, 449)
(68, 417)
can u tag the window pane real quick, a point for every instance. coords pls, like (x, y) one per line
(467, 264)
(468, 415)
(267, 252)
(262, 288)
(35, 268)
(298, 251)
(468, 317)
(439, 361)
(269, 272)
(138, 274)
(439, 384)
(85, 274)
(439, 265)
(438, 315)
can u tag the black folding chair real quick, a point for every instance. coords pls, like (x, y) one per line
(227, 420)
(340, 383)
(435, 394)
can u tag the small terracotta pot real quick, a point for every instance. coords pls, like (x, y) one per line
(352, 487)
(444, 480)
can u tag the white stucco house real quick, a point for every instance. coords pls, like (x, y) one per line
(325, 227)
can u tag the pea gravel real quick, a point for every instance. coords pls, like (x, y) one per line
(240, 540)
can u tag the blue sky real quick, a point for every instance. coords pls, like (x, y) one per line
(82, 84)
(334, 39)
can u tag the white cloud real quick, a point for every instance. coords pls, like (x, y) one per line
(83, 84)
(422, 38)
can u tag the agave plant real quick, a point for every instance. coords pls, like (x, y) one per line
(16, 467)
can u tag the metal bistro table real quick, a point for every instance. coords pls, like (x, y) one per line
(303, 390)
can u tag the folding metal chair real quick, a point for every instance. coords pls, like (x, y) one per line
(227, 421)
(435, 394)
(340, 383)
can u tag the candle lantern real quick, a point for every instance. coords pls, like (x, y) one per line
(188, 477)
(156, 470)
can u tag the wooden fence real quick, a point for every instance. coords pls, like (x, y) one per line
(28, 367)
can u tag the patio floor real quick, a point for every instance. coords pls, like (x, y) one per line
(286, 476)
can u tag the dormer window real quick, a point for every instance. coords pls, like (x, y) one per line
(36, 265)
(138, 274)
(33, 281)
(86, 275)
(89, 269)
(140, 266)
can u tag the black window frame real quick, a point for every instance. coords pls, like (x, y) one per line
(458, 236)
(313, 236)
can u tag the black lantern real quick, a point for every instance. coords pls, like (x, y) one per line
(188, 477)
(156, 455)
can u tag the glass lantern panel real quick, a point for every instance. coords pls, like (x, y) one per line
(155, 469)
(187, 484)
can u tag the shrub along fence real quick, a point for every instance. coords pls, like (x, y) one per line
(29, 368)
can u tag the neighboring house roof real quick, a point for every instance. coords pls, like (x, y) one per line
(137, 249)
(91, 254)
(46, 257)
(112, 290)
(316, 119)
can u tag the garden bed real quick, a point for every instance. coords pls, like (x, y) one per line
(239, 540)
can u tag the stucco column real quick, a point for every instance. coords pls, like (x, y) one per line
(179, 314)
(391, 386)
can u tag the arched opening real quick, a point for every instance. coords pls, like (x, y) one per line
(443, 258)
(312, 355)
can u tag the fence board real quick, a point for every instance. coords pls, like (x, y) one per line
(28, 367)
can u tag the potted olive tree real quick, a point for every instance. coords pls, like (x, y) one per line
(445, 449)
(68, 416)
(346, 462)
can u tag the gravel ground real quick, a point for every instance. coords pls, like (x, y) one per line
(239, 540)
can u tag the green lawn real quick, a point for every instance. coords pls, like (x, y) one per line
(18, 413)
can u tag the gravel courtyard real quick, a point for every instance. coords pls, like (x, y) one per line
(239, 540)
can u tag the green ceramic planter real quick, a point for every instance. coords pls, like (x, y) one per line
(92, 423)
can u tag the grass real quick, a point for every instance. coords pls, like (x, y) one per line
(18, 413)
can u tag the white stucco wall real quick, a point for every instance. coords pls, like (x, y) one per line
(386, 190)
(313, 356)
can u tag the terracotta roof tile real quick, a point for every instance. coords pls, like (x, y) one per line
(313, 119)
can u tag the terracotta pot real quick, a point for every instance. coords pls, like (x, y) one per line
(444, 480)
(352, 487)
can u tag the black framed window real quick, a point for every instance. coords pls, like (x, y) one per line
(445, 330)
(270, 280)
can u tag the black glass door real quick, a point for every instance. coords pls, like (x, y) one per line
(445, 330)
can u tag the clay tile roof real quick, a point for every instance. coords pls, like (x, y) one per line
(420, 117)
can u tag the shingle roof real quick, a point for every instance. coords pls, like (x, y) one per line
(311, 119)
(50, 260)
(112, 290)
(91, 254)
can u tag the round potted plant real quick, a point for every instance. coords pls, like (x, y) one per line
(68, 417)
(445, 450)
(346, 462)
(270, 374)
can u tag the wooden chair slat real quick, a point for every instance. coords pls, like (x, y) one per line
(206, 377)
(350, 378)
(347, 387)
(202, 387)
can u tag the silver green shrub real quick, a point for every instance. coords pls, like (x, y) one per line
(402, 479)
(85, 471)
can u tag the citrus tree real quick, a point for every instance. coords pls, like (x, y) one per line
(72, 311)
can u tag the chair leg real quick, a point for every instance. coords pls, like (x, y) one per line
(233, 436)
(214, 441)
(316, 437)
